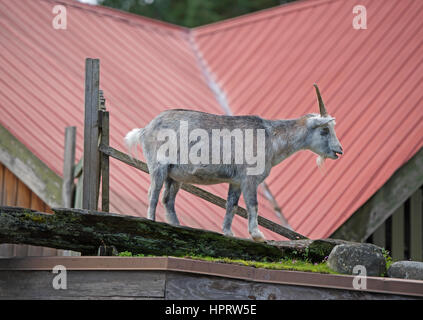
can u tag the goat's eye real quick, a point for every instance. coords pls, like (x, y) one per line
(324, 132)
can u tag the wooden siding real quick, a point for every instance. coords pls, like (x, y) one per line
(402, 233)
(13, 192)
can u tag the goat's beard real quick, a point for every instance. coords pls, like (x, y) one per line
(320, 161)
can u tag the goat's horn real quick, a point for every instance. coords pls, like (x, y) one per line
(322, 108)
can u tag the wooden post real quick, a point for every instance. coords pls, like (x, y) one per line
(104, 118)
(91, 135)
(78, 174)
(68, 167)
(416, 226)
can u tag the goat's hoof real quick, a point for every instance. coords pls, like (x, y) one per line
(258, 236)
(228, 233)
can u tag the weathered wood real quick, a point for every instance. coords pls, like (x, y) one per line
(78, 192)
(17, 158)
(83, 285)
(379, 237)
(78, 168)
(11, 188)
(85, 230)
(416, 226)
(23, 195)
(104, 120)
(179, 278)
(400, 186)
(398, 234)
(91, 135)
(185, 286)
(68, 167)
(203, 194)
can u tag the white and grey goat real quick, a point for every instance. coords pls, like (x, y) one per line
(184, 146)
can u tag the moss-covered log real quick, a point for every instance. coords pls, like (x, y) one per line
(85, 231)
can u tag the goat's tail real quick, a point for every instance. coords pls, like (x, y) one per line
(133, 138)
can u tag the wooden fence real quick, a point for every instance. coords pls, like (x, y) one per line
(97, 151)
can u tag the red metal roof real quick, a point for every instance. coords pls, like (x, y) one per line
(265, 63)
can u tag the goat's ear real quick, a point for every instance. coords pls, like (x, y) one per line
(316, 122)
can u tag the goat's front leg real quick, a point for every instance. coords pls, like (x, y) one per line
(249, 191)
(233, 197)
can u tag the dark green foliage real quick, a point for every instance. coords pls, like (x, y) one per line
(192, 13)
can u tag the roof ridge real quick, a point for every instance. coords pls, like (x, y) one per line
(124, 16)
(209, 77)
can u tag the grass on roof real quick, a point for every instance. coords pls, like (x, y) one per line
(285, 264)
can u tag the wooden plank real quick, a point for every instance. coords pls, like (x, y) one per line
(398, 239)
(83, 284)
(91, 134)
(416, 226)
(11, 188)
(36, 203)
(78, 192)
(400, 186)
(203, 194)
(7, 250)
(68, 167)
(78, 168)
(379, 237)
(2, 185)
(105, 165)
(23, 197)
(204, 287)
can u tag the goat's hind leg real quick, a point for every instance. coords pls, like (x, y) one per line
(249, 191)
(168, 199)
(233, 197)
(157, 177)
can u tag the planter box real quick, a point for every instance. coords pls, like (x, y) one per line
(178, 278)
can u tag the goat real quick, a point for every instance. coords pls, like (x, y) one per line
(188, 160)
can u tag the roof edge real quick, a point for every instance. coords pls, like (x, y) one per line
(257, 16)
(25, 165)
(124, 16)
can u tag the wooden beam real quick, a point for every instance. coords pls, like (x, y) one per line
(416, 226)
(104, 118)
(398, 236)
(399, 187)
(68, 167)
(91, 134)
(17, 158)
(268, 224)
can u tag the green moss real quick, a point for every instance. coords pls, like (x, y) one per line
(284, 264)
(34, 217)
